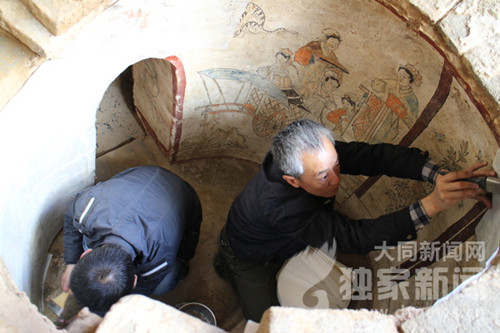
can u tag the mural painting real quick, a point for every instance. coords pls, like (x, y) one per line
(256, 97)
(318, 56)
(253, 21)
(285, 75)
(400, 100)
(382, 113)
(312, 81)
(307, 83)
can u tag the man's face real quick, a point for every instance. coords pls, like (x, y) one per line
(321, 171)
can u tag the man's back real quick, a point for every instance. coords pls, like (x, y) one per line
(145, 210)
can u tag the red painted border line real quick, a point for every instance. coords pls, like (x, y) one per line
(179, 91)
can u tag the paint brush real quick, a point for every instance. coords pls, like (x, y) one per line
(57, 304)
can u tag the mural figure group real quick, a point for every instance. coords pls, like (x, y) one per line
(308, 83)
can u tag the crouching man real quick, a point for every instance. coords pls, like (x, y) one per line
(134, 233)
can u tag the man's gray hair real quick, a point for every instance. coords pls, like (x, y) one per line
(293, 141)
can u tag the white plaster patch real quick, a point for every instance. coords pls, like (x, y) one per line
(435, 9)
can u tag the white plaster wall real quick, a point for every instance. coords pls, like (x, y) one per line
(47, 131)
(487, 230)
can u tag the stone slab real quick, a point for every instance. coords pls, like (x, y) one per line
(17, 313)
(154, 98)
(472, 27)
(469, 308)
(435, 9)
(17, 20)
(287, 319)
(149, 315)
(17, 63)
(60, 15)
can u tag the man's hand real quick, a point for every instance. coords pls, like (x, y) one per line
(450, 189)
(84, 321)
(65, 277)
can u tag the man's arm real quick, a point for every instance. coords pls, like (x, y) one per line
(365, 235)
(361, 236)
(359, 158)
(72, 240)
(65, 277)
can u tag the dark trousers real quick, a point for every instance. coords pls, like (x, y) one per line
(255, 283)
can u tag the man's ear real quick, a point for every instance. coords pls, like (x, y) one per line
(135, 281)
(292, 181)
(85, 253)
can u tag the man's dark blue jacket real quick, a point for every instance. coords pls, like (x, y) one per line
(149, 211)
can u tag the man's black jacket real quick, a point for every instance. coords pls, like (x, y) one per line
(271, 220)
